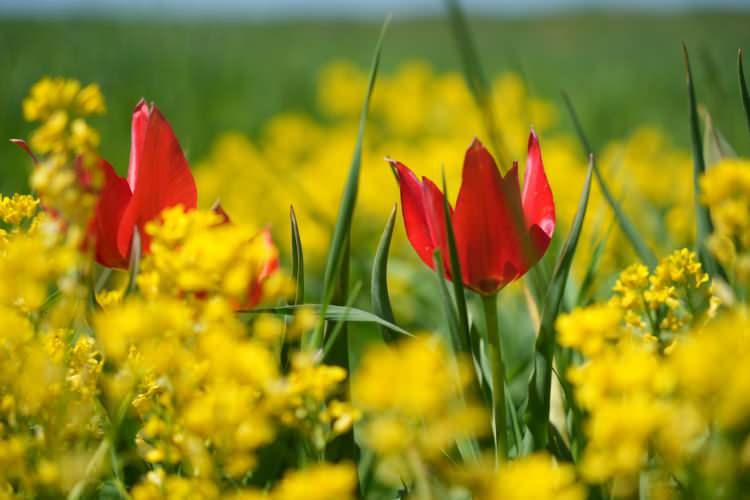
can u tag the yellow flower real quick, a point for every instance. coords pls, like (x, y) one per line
(51, 94)
(16, 208)
(195, 255)
(590, 329)
(318, 482)
(538, 477)
(725, 190)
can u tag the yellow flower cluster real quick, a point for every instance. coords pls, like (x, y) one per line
(664, 302)
(651, 395)
(196, 378)
(47, 384)
(725, 190)
(209, 390)
(64, 175)
(411, 396)
(30, 260)
(712, 367)
(14, 209)
(197, 254)
(305, 400)
(538, 476)
(541, 479)
(61, 105)
(317, 482)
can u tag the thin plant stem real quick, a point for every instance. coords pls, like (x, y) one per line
(497, 367)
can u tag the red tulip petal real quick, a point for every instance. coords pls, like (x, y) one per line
(113, 199)
(162, 178)
(24, 145)
(488, 242)
(433, 200)
(138, 127)
(537, 200)
(422, 210)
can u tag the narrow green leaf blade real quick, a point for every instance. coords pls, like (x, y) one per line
(627, 227)
(339, 328)
(463, 334)
(715, 145)
(541, 378)
(475, 77)
(743, 87)
(342, 229)
(298, 261)
(332, 313)
(134, 267)
(448, 307)
(703, 224)
(381, 301)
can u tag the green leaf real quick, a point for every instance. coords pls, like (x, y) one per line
(298, 261)
(448, 307)
(475, 77)
(743, 88)
(381, 301)
(332, 313)
(135, 262)
(715, 145)
(627, 227)
(704, 226)
(468, 448)
(341, 231)
(463, 334)
(331, 340)
(541, 378)
(585, 291)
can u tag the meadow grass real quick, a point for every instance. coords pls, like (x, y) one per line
(621, 69)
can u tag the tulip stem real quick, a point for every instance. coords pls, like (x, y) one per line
(495, 358)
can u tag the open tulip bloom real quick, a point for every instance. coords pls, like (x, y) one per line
(501, 230)
(158, 177)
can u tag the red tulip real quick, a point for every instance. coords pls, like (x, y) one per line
(158, 177)
(501, 230)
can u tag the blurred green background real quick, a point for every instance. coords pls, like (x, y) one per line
(620, 69)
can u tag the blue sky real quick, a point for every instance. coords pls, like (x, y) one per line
(325, 8)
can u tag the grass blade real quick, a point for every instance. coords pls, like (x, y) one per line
(342, 229)
(468, 448)
(627, 227)
(332, 313)
(475, 77)
(715, 145)
(541, 378)
(134, 267)
(298, 261)
(381, 301)
(743, 87)
(339, 328)
(463, 335)
(448, 307)
(703, 224)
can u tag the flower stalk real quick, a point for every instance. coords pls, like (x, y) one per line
(497, 369)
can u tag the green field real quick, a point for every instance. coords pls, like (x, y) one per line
(622, 70)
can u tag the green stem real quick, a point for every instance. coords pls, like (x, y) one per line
(497, 367)
(421, 477)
